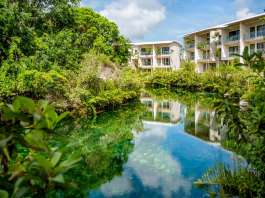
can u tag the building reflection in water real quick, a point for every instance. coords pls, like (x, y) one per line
(197, 120)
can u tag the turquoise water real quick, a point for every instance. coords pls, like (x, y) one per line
(178, 142)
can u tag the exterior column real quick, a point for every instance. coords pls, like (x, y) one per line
(224, 51)
(196, 53)
(196, 50)
(213, 45)
(243, 31)
(154, 56)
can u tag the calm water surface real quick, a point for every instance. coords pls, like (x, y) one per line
(177, 143)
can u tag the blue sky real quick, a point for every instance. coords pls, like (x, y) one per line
(152, 20)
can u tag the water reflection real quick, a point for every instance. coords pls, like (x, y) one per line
(174, 149)
(198, 120)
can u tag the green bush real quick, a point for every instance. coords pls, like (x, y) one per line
(222, 80)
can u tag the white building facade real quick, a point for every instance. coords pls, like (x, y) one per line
(154, 55)
(211, 46)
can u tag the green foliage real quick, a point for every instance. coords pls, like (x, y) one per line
(244, 119)
(43, 44)
(202, 45)
(254, 61)
(240, 181)
(100, 84)
(188, 66)
(100, 34)
(104, 143)
(26, 124)
(222, 80)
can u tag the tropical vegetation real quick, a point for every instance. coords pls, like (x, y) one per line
(59, 61)
(65, 54)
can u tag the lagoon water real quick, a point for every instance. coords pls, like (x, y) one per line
(178, 142)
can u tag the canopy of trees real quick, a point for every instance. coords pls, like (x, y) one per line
(41, 39)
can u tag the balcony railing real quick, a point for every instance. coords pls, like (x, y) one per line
(252, 36)
(205, 58)
(146, 53)
(260, 33)
(232, 54)
(163, 52)
(232, 38)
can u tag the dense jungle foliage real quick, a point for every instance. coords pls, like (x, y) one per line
(68, 55)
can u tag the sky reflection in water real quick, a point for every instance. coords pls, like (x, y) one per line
(166, 160)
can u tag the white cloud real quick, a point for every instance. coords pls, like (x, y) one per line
(242, 10)
(244, 13)
(154, 166)
(135, 18)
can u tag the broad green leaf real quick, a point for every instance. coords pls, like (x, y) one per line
(56, 158)
(36, 139)
(43, 163)
(25, 103)
(58, 179)
(67, 164)
(3, 194)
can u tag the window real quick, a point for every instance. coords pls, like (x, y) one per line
(166, 61)
(147, 61)
(146, 51)
(233, 50)
(165, 50)
(252, 32)
(252, 48)
(234, 35)
(165, 105)
(261, 47)
(261, 30)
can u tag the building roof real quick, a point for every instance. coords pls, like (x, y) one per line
(156, 43)
(224, 25)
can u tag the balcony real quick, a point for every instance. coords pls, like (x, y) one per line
(232, 54)
(146, 53)
(163, 52)
(232, 39)
(253, 36)
(206, 59)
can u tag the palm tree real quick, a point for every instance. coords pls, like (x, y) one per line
(255, 61)
(249, 59)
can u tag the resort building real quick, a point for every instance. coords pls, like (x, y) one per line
(152, 55)
(211, 46)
